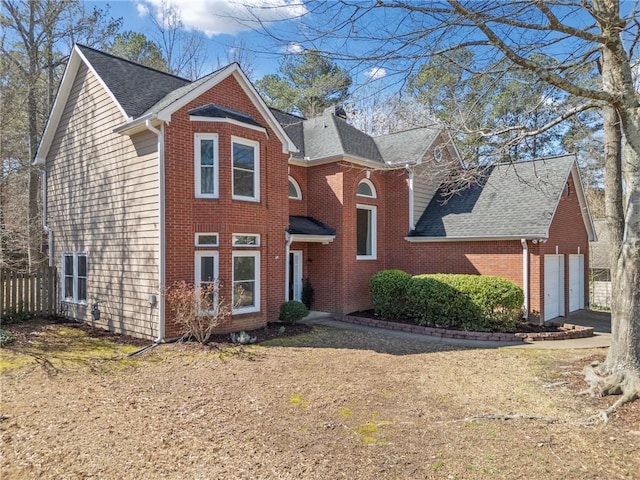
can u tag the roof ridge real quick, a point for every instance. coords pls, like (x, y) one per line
(435, 125)
(115, 57)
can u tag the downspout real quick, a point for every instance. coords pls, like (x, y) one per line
(525, 277)
(45, 226)
(289, 241)
(161, 232)
(412, 223)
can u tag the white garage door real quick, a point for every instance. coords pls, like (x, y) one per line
(553, 286)
(576, 282)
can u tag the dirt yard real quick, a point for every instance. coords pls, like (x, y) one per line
(327, 404)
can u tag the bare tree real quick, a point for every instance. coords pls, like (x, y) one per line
(185, 52)
(586, 48)
(32, 65)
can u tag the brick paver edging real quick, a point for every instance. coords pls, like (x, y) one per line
(569, 331)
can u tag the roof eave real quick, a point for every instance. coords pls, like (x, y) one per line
(365, 162)
(324, 239)
(489, 238)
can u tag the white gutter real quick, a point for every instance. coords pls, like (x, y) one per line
(44, 217)
(412, 223)
(161, 232)
(324, 239)
(488, 238)
(525, 277)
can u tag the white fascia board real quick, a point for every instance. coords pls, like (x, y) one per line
(68, 78)
(312, 238)
(245, 84)
(347, 158)
(195, 118)
(104, 85)
(497, 238)
(564, 185)
(582, 200)
(134, 126)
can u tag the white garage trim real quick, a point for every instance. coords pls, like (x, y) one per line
(553, 286)
(576, 282)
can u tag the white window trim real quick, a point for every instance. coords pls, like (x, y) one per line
(256, 292)
(242, 245)
(297, 187)
(374, 232)
(197, 165)
(75, 277)
(199, 234)
(256, 169)
(198, 270)
(371, 186)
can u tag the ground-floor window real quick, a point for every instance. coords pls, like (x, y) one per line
(246, 282)
(366, 232)
(74, 274)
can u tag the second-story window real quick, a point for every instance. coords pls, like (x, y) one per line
(206, 165)
(246, 169)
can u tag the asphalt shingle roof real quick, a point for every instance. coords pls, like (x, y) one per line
(328, 136)
(212, 110)
(511, 200)
(299, 225)
(406, 146)
(136, 87)
(292, 125)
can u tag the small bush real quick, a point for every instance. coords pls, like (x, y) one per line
(389, 291)
(308, 293)
(197, 310)
(293, 311)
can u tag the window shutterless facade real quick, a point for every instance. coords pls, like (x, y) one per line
(246, 282)
(246, 169)
(74, 274)
(206, 165)
(366, 232)
(294, 189)
(206, 239)
(245, 240)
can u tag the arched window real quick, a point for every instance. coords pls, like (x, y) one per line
(294, 189)
(366, 189)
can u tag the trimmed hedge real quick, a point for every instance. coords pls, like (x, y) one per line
(389, 291)
(293, 311)
(468, 302)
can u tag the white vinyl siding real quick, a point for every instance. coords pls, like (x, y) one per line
(103, 200)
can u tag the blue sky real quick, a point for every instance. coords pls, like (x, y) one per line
(226, 23)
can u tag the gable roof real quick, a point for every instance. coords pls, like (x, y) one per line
(512, 201)
(143, 94)
(329, 137)
(399, 147)
(135, 87)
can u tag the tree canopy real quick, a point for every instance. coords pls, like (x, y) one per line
(308, 83)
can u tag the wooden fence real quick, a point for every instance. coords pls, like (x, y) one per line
(28, 293)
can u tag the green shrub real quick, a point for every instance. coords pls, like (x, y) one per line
(293, 311)
(470, 302)
(308, 293)
(389, 291)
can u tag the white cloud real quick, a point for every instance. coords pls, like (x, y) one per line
(293, 48)
(215, 17)
(376, 72)
(142, 9)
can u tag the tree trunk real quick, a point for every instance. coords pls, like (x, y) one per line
(620, 373)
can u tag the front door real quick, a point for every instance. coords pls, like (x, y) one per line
(295, 275)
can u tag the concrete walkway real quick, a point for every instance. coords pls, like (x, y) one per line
(600, 321)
